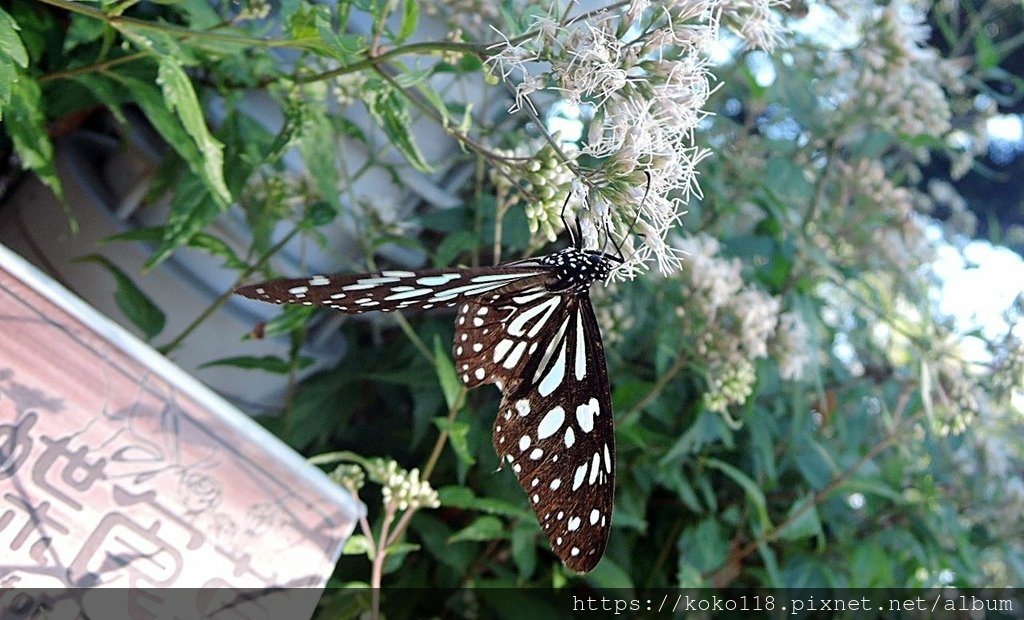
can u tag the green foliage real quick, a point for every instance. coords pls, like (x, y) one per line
(871, 468)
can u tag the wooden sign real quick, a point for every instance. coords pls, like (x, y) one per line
(117, 469)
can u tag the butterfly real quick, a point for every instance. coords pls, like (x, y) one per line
(529, 328)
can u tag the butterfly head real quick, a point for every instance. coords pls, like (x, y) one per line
(579, 268)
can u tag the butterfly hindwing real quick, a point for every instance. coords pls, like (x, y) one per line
(554, 428)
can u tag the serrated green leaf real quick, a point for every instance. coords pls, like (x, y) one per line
(446, 375)
(268, 363)
(458, 432)
(26, 126)
(136, 305)
(462, 497)
(481, 529)
(390, 111)
(181, 98)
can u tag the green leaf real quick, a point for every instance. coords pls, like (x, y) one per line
(754, 493)
(357, 544)
(462, 497)
(457, 434)
(446, 375)
(290, 319)
(318, 150)
(26, 126)
(345, 47)
(136, 305)
(10, 44)
(390, 111)
(217, 247)
(806, 525)
(815, 463)
(410, 19)
(453, 245)
(192, 208)
(481, 529)
(524, 549)
(181, 98)
(703, 546)
(609, 575)
(269, 363)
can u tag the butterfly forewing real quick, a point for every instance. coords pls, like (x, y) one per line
(386, 291)
(529, 328)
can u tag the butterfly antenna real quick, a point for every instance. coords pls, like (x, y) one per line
(565, 223)
(636, 218)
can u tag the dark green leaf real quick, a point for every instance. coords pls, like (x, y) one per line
(136, 305)
(290, 319)
(462, 497)
(446, 375)
(269, 363)
(192, 208)
(457, 434)
(481, 529)
(391, 112)
(805, 521)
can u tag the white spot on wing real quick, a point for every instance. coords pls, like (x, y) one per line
(554, 378)
(513, 357)
(319, 281)
(581, 349)
(438, 280)
(524, 442)
(416, 292)
(551, 423)
(595, 514)
(595, 468)
(585, 415)
(573, 524)
(577, 479)
(570, 438)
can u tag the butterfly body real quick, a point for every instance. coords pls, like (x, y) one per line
(529, 328)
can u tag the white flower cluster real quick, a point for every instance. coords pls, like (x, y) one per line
(640, 76)
(898, 239)
(404, 489)
(350, 476)
(733, 325)
(893, 78)
(542, 177)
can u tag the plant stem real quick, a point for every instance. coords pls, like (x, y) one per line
(435, 454)
(657, 388)
(226, 295)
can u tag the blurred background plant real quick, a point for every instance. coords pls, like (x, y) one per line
(796, 405)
